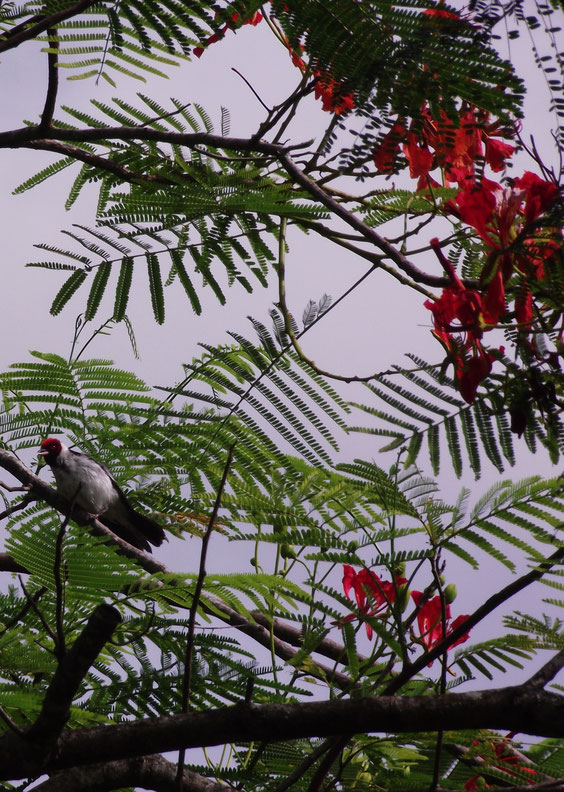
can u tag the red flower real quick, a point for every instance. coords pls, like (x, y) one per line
(497, 152)
(419, 157)
(372, 594)
(499, 755)
(473, 372)
(430, 624)
(540, 250)
(475, 205)
(233, 25)
(453, 145)
(387, 150)
(333, 98)
(540, 195)
(473, 316)
(459, 146)
(440, 13)
(465, 305)
(494, 304)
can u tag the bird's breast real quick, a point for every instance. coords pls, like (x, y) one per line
(90, 489)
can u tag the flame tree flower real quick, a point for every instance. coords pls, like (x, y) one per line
(429, 621)
(373, 596)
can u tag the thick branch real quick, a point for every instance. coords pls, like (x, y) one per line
(71, 671)
(148, 772)
(547, 673)
(511, 708)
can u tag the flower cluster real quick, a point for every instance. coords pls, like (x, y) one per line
(501, 757)
(502, 217)
(334, 98)
(453, 147)
(472, 314)
(506, 219)
(374, 597)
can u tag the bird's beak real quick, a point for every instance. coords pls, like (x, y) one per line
(42, 453)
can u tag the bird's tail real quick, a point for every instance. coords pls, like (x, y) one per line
(150, 529)
(137, 529)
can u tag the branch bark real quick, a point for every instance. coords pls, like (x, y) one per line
(148, 772)
(511, 708)
(70, 672)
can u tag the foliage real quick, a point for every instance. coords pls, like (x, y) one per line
(340, 574)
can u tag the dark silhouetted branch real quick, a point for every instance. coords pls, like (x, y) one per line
(71, 671)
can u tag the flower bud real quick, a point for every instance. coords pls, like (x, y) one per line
(287, 551)
(450, 593)
(403, 597)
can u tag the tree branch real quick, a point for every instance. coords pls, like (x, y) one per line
(187, 680)
(41, 490)
(547, 673)
(52, 84)
(511, 708)
(260, 633)
(97, 161)
(71, 671)
(35, 25)
(148, 772)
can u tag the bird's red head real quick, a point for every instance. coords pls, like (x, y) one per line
(50, 447)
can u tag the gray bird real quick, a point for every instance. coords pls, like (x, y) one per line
(92, 487)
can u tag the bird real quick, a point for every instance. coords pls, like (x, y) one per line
(88, 483)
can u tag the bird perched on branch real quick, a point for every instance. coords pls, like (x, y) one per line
(89, 484)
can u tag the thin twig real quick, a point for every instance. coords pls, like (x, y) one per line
(278, 112)
(98, 161)
(23, 611)
(187, 682)
(40, 616)
(16, 506)
(9, 488)
(166, 115)
(32, 27)
(337, 746)
(59, 585)
(288, 318)
(304, 766)
(266, 107)
(444, 663)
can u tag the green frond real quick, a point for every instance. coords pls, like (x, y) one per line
(67, 290)
(425, 412)
(97, 290)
